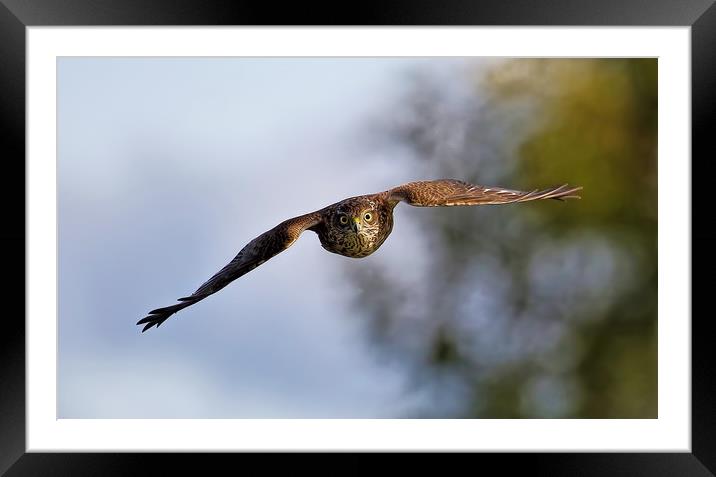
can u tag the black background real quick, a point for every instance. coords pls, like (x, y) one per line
(16, 15)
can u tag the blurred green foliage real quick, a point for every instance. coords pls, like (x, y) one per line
(535, 310)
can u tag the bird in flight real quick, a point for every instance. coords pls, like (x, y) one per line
(354, 227)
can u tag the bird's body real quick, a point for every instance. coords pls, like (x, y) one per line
(368, 222)
(354, 227)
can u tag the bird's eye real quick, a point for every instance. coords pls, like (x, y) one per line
(343, 219)
(368, 216)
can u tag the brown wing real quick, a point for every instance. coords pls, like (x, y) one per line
(251, 256)
(449, 192)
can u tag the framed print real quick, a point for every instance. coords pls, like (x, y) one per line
(166, 163)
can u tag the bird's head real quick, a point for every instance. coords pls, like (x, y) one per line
(360, 217)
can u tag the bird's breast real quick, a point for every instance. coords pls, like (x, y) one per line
(354, 245)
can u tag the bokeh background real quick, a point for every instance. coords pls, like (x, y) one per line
(168, 166)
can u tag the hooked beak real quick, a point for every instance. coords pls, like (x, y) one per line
(356, 224)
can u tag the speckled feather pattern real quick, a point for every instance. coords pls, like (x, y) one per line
(360, 241)
(354, 227)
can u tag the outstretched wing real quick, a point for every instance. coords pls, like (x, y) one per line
(251, 256)
(449, 192)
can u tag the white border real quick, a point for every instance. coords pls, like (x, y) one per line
(670, 432)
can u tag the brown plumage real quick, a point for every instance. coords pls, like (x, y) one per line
(354, 227)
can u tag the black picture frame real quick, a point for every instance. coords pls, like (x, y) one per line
(16, 15)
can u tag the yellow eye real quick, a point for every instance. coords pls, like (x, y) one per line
(343, 219)
(368, 216)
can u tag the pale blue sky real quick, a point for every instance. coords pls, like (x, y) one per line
(166, 168)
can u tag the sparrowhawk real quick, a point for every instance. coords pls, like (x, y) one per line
(354, 227)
